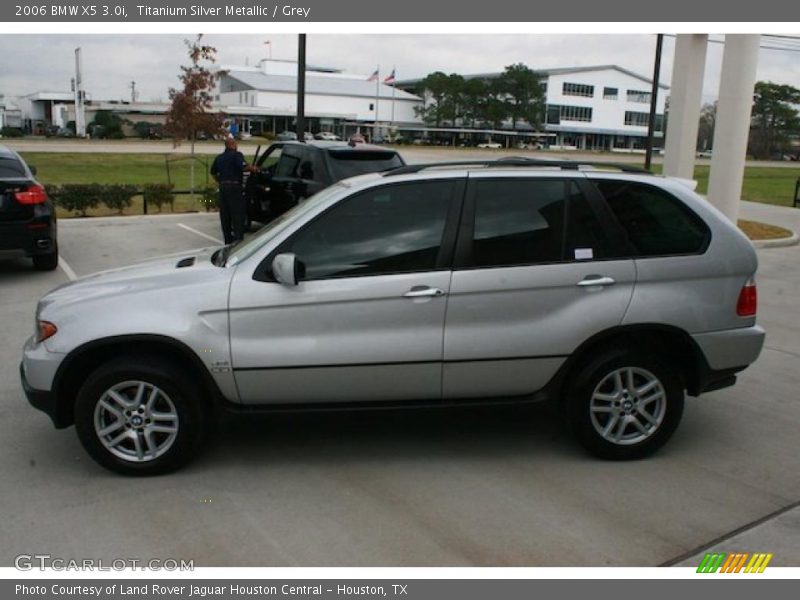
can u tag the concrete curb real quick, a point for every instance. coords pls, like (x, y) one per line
(792, 240)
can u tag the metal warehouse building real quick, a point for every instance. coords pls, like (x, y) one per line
(264, 98)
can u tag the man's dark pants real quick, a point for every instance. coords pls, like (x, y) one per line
(232, 212)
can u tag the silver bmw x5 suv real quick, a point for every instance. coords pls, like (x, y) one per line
(611, 292)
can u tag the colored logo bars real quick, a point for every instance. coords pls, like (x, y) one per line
(735, 562)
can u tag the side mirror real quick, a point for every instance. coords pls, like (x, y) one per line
(286, 268)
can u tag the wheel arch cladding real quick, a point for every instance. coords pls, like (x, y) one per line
(81, 361)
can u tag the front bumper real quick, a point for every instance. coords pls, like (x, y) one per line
(44, 401)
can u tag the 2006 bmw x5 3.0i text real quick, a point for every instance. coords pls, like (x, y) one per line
(614, 293)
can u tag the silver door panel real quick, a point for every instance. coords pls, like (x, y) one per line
(482, 379)
(341, 384)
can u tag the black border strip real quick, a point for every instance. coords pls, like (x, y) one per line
(398, 363)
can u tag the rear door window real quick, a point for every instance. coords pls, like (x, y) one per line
(532, 221)
(657, 223)
(349, 163)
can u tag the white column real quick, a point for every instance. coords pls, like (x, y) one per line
(732, 126)
(685, 100)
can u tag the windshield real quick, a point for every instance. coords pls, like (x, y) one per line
(348, 163)
(234, 254)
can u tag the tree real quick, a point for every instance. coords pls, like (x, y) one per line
(524, 95)
(435, 85)
(774, 118)
(106, 125)
(190, 108)
(473, 96)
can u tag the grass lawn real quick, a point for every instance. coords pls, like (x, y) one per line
(771, 185)
(134, 169)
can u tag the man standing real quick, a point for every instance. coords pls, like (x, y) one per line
(227, 170)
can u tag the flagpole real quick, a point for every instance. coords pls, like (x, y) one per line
(394, 87)
(377, 97)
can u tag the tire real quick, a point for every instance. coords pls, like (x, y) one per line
(611, 422)
(46, 262)
(173, 420)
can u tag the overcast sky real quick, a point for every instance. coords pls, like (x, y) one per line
(30, 63)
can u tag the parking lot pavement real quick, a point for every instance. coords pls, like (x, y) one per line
(468, 487)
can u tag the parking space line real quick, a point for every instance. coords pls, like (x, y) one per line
(67, 269)
(200, 233)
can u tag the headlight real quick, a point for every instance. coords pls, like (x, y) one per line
(45, 330)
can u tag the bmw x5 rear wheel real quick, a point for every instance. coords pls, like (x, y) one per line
(625, 404)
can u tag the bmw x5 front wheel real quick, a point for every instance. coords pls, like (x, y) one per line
(140, 416)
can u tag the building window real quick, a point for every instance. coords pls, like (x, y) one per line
(639, 96)
(577, 89)
(575, 113)
(610, 93)
(637, 119)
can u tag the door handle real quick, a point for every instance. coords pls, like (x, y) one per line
(591, 280)
(423, 291)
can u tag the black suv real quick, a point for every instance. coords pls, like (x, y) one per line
(291, 171)
(27, 215)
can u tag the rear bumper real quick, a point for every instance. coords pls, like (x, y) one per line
(726, 353)
(23, 237)
(731, 348)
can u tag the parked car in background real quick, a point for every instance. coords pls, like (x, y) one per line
(286, 136)
(612, 294)
(27, 215)
(327, 136)
(292, 171)
(490, 144)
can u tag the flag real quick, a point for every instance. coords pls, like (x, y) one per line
(374, 76)
(390, 78)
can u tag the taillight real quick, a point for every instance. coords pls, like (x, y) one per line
(748, 299)
(35, 194)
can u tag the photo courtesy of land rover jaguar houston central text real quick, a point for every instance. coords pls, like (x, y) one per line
(610, 291)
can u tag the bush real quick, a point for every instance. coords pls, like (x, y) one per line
(11, 132)
(159, 194)
(118, 197)
(77, 198)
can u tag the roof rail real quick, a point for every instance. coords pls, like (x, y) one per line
(517, 161)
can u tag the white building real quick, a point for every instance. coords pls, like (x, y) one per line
(264, 98)
(10, 114)
(594, 108)
(601, 108)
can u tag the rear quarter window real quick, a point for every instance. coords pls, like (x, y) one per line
(657, 223)
(349, 163)
(11, 168)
